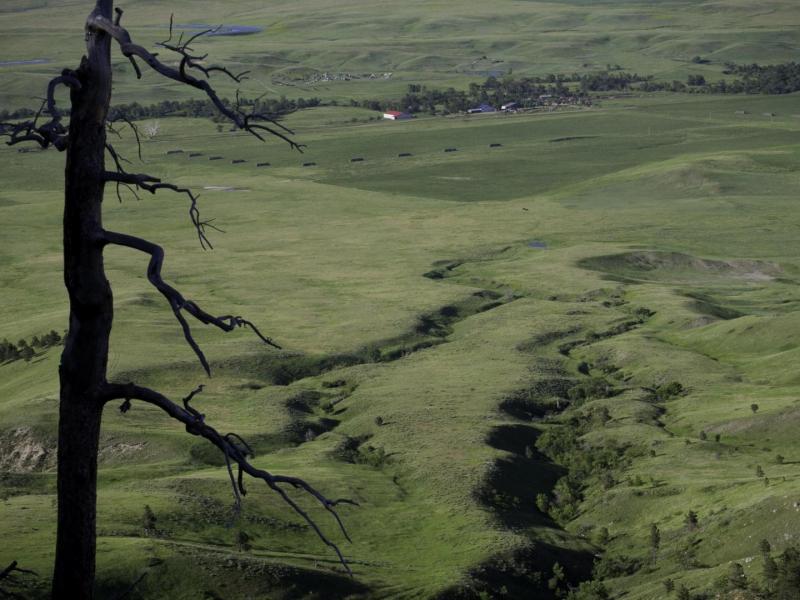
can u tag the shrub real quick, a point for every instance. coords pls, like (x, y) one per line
(148, 520)
(243, 541)
(617, 566)
(589, 590)
(543, 503)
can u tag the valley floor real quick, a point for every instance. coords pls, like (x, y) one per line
(510, 356)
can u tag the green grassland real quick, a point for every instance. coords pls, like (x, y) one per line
(670, 200)
(435, 43)
(453, 295)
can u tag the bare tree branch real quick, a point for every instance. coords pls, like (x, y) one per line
(53, 131)
(251, 123)
(8, 578)
(195, 424)
(152, 185)
(176, 301)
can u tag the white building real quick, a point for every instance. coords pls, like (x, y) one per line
(396, 115)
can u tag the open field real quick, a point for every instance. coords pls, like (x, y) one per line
(434, 43)
(673, 204)
(453, 324)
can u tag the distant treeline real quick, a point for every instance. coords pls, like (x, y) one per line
(530, 92)
(24, 350)
(527, 92)
(273, 107)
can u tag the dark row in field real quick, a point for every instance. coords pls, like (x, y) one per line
(354, 159)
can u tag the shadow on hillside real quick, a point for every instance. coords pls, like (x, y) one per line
(522, 574)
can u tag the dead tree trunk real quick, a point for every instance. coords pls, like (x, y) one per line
(82, 373)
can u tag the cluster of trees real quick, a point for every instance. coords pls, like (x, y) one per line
(767, 79)
(25, 350)
(206, 108)
(780, 578)
(563, 445)
(527, 92)
(752, 79)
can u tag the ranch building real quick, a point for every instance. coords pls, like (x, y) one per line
(396, 115)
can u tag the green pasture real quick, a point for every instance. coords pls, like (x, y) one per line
(682, 205)
(439, 43)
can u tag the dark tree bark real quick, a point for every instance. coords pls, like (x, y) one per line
(83, 370)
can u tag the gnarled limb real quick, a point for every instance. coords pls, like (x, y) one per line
(251, 123)
(53, 131)
(236, 451)
(176, 301)
(152, 185)
(8, 579)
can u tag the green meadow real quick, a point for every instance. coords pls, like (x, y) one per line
(437, 43)
(442, 315)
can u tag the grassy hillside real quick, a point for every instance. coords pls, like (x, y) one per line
(435, 43)
(683, 210)
(510, 356)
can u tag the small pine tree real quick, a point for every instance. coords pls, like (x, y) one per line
(27, 353)
(770, 571)
(779, 459)
(655, 537)
(148, 520)
(669, 585)
(683, 593)
(764, 547)
(717, 437)
(703, 435)
(655, 542)
(602, 538)
(759, 471)
(379, 421)
(242, 541)
(558, 576)
(543, 503)
(754, 408)
(690, 520)
(736, 578)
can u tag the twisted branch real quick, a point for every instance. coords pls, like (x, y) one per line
(153, 184)
(176, 301)
(53, 131)
(8, 578)
(251, 123)
(229, 444)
